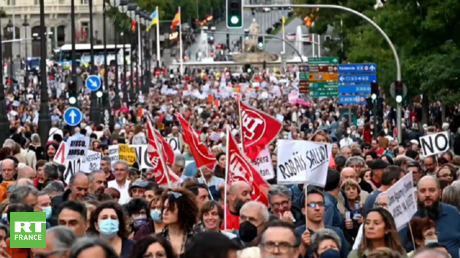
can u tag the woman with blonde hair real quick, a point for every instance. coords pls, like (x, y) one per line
(322, 136)
(36, 146)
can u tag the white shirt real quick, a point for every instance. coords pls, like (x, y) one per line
(345, 142)
(358, 238)
(124, 194)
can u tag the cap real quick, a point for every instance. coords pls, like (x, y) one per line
(413, 141)
(379, 164)
(139, 184)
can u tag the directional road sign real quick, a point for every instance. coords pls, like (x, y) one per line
(318, 77)
(357, 78)
(357, 68)
(322, 68)
(355, 89)
(321, 85)
(333, 93)
(93, 83)
(304, 86)
(352, 99)
(73, 116)
(323, 60)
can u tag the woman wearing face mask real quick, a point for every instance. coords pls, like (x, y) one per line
(379, 230)
(108, 222)
(156, 223)
(212, 216)
(138, 209)
(424, 232)
(179, 213)
(325, 243)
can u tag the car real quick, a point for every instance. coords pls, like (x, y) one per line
(290, 36)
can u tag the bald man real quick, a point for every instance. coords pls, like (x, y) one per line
(25, 181)
(350, 174)
(9, 170)
(431, 253)
(444, 215)
(239, 193)
(26, 172)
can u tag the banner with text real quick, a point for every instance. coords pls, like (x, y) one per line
(263, 164)
(435, 143)
(401, 200)
(142, 155)
(77, 147)
(127, 153)
(91, 162)
(72, 167)
(174, 142)
(113, 154)
(302, 162)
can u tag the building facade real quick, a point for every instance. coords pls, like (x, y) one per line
(57, 22)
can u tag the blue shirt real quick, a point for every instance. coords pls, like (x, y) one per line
(344, 245)
(190, 170)
(447, 228)
(332, 216)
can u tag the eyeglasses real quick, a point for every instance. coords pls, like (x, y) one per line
(283, 247)
(277, 205)
(314, 204)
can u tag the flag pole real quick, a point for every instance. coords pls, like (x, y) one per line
(158, 37)
(139, 52)
(181, 60)
(241, 124)
(227, 168)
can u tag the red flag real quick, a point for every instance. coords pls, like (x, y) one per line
(168, 152)
(156, 160)
(201, 153)
(239, 169)
(258, 128)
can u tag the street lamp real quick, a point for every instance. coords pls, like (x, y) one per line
(116, 102)
(45, 119)
(132, 7)
(26, 24)
(10, 29)
(140, 14)
(123, 8)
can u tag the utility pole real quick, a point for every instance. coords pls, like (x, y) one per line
(45, 119)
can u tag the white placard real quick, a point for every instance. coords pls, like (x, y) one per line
(71, 167)
(113, 154)
(435, 143)
(77, 147)
(174, 142)
(142, 156)
(263, 164)
(280, 118)
(302, 162)
(91, 162)
(401, 200)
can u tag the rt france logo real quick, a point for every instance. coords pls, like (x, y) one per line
(28, 230)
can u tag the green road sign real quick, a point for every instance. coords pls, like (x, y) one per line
(303, 76)
(323, 60)
(324, 93)
(322, 85)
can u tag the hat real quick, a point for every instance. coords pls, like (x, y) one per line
(379, 164)
(139, 184)
(414, 141)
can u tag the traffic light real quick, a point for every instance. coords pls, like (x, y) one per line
(246, 33)
(260, 42)
(375, 89)
(234, 14)
(73, 94)
(399, 91)
(247, 68)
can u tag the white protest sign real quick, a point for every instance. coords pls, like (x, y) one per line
(435, 143)
(302, 162)
(113, 154)
(174, 142)
(71, 167)
(77, 146)
(263, 164)
(91, 162)
(401, 200)
(142, 154)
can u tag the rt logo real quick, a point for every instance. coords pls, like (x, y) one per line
(28, 230)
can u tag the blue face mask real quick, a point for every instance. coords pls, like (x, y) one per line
(48, 210)
(156, 215)
(429, 241)
(330, 253)
(109, 228)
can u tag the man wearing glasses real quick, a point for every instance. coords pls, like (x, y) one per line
(416, 170)
(279, 240)
(314, 211)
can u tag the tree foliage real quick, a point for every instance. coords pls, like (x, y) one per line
(426, 35)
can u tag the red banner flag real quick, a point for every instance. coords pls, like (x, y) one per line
(239, 169)
(258, 129)
(201, 153)
(154, 152)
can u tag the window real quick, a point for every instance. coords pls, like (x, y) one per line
(83, 2)
(10, 2)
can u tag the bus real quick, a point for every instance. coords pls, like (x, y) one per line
(63, 55)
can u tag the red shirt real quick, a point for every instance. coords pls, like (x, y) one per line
(233, 221)
(375, 183)
(367, 137)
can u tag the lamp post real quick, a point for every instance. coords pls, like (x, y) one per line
(26, 24)
(132, 7)
(123, 8)
(3, 113)
(147, 56)
(116, 102)
(94, 112)
(140, 14)
(10, 28)
(45, 119)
